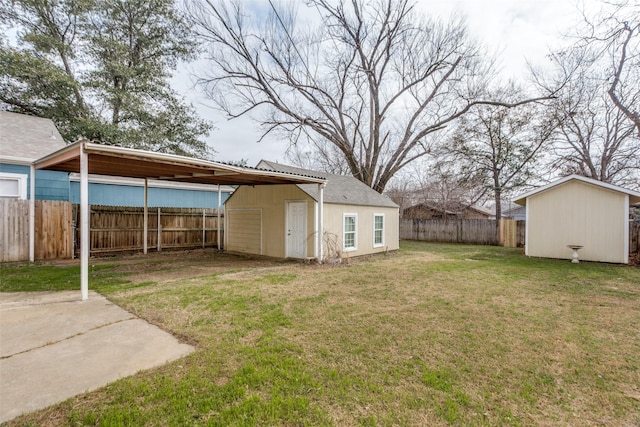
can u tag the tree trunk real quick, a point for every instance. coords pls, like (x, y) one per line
(498, 197)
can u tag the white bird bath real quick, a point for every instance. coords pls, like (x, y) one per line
(574, 257)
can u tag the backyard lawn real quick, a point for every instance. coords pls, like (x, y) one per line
(431, 335)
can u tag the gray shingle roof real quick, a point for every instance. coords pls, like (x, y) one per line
(340, 189)
(27, 137)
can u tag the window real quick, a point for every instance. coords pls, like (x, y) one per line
(349, 235)
(13, 185)
(378, 230)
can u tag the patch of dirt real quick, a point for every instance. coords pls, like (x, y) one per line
(167, 266)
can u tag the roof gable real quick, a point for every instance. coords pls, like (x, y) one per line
(340, 189)
(634, 196)
(27, 138)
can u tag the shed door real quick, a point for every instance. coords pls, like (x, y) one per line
(296, 229)
(244, 232)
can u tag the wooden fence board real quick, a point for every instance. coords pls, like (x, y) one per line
(470, 231)
(115, 229)
(111, 229)
(53, 229)
(634, 237)
(53, 232)
(14, 240)
(508, 233)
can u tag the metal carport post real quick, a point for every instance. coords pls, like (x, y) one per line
(84, 224)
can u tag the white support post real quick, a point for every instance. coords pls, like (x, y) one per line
(204, 228)
(316, 240)
(146, 216)
(32, 213)
(218, 222)
(84, 224)
(159, 232)
(625, 219)
(321, 220)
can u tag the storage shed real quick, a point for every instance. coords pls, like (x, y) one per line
(578, 211)
(280, 221)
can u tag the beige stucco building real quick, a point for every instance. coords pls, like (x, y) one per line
(283, 220)
(578, 211)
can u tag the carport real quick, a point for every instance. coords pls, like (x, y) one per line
(87, 157)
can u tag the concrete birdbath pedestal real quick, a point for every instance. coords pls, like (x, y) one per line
(574, 257)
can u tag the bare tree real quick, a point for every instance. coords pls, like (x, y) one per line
(500, 147)
(599, 95)
(401, 192)
(320, 157)
(624, 89)
(610, 40)
(596, 140)
(442, 185)
(374, 79)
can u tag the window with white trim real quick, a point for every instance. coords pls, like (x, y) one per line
(350, 236)
(13, 185)
(378, 230)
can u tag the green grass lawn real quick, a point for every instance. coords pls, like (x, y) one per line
(430, 335)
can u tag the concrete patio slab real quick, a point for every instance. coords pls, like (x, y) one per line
(54, 346)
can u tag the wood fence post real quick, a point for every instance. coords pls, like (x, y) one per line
(204, 229)
(218, 237)
(159, 233)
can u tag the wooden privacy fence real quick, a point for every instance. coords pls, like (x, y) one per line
(112, 229)
(118, 229)
(634, 237)
(53, 230)
(470, 231)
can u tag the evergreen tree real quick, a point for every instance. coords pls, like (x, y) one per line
(100, 69)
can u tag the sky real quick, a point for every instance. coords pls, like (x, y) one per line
(520, 31)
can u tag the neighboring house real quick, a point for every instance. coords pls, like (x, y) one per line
(280, 221)
(517, 212)
(118, 191)
(24, 139)
(431, 211)
(578, 211)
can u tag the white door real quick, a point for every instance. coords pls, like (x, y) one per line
(296, 229)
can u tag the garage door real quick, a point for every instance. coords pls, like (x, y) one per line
(244, 230)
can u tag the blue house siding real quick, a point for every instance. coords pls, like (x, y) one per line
(50, 185)
(109, 195)
(54, 185)
(128, 195)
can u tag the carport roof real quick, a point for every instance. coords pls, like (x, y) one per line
(128, 162)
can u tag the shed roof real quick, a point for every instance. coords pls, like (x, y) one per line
(340, 189)
(24, 138)
(129, 162)
(634, 196)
